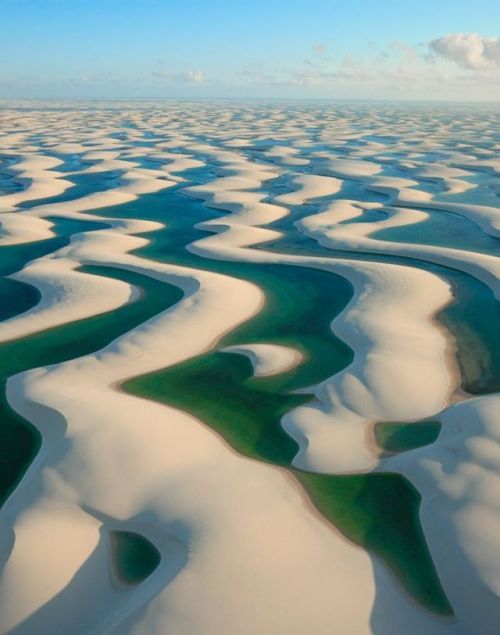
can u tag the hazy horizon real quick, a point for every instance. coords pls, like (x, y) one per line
(222, 50)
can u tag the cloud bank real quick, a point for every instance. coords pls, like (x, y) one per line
(458, 66)
(469, 50)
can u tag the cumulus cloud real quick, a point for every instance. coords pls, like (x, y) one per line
(468, 50)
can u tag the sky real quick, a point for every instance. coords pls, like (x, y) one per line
(308, 49)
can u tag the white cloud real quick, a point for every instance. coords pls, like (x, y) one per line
(396, 68)
(192, 76)
(469, 50)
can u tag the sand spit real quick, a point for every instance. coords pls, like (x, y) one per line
(268, 359)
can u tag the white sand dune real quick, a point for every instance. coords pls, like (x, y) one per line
(34, 171)
(20, 230)
(352, 168)
(459, 479)
(16, 228)
(66, 295)
(310, 186)
(450, 178)
(355, 237)
(242, 549)
(285, 155)
(486, 217)
(268, 359)
(399, 190)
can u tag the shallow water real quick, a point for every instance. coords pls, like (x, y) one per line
(443, 229)
(135, 558)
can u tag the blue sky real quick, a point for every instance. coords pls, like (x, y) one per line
(229, 48)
